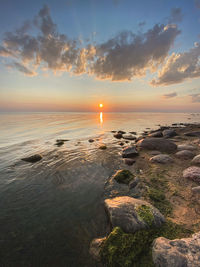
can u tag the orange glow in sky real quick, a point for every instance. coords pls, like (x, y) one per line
(101, 105)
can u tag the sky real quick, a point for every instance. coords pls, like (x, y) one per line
(71, 55)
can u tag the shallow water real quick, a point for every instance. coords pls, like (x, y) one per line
(52, 209)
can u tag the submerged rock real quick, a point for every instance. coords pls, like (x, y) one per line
(129, 152)
(192, 173)
(160, 144)
(183, 252)
(185, 154)
(131, 214)
(161, 158)
(32, 159)
(196, 160)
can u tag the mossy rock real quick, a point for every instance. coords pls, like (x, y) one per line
(134, 250)
(145, 213)
(123, 176)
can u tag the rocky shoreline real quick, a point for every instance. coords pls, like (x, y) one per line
(153, 205)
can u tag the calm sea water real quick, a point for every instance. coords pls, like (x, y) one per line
(51, 210)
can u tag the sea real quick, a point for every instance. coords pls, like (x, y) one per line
(52, 209)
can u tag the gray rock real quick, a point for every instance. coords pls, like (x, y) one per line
(156, 134)
(161, 158)
(160, 144)
(193, 134)
(95, 248)
(183, 252)
(196, 189)
(196, 160)
(128, 137)
(185, 147)
(168, 133)
(118, 135)
(129, 152)
(129, 161)
(192, 173)
(125, 212)
(32, 159)
(185, 154)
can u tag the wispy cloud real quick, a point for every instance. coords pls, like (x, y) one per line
(170, 95)
(195, 98)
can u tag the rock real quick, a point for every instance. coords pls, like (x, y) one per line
(183, 252)
(33, 159)
(131, 214)
(123, 176)
(185, 147)
(196, 189)
(193, 134)
(121, 132)
(134, 182)
(129, 152)
(161, 158)
(91, 140)
(128, 136)
(133, 133)
(192, 173)
(168, 133)
(185, 154)
(156, 134)
(160, 144)
(59, 143)
(196, 160)
(113, 131)
(154, 153)
(95, 248)
(129, 161)
(118, 135)
(102, 147)
(121, 143)
(62, 140)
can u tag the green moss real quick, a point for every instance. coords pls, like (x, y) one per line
(134, 250)
(145, 213)
(159, 200)
(123, 176)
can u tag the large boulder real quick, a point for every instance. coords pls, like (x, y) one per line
(131, 214)
(183, 252)
(196, 160)
(192, 173)
(33, 159)
(185, 154)
(162, 159)
(129, 152)
(185, 147)
(160, 144)
(168, 133)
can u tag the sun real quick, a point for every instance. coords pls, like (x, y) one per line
(101, 105)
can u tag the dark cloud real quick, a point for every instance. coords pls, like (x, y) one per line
(123, 57)
(179, 67)
(175, 15)
(170, 95)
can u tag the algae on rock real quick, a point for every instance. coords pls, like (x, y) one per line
(123, 176)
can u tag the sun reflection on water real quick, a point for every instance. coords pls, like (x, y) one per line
(101, 117)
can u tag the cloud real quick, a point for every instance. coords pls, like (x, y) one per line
(197, 3)
(121, 58)
(170, 95)
(195, 98)
(175, 15)
(179, 67)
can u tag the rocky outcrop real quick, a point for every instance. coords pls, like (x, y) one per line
(185, 154)
(196, 160)
(159, 144)
(192, 173)
(131, 214)
(162, 159)
(33, 159)
(183, 252)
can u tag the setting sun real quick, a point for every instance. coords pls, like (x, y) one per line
(100, 105)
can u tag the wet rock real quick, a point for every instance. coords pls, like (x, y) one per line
(183, 252)
(156, 134)
(33, 159)
(113, 131)
(168, 133)
(154, 153)
(196, 160)
(129, 152)
(193, 134)
(185, 154)
(133, 133)
(123, 176)
(185, 147)
(131, 214)
(160, 144)
(95, 248)
(134, 183)
(102, 147)
(91, 140)
(196, 190)
(162, 159)
(128, 137)
(59, 143)
(121, 132)
(118, 135)
(121, 143)
(192, 173)
(129, 161)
